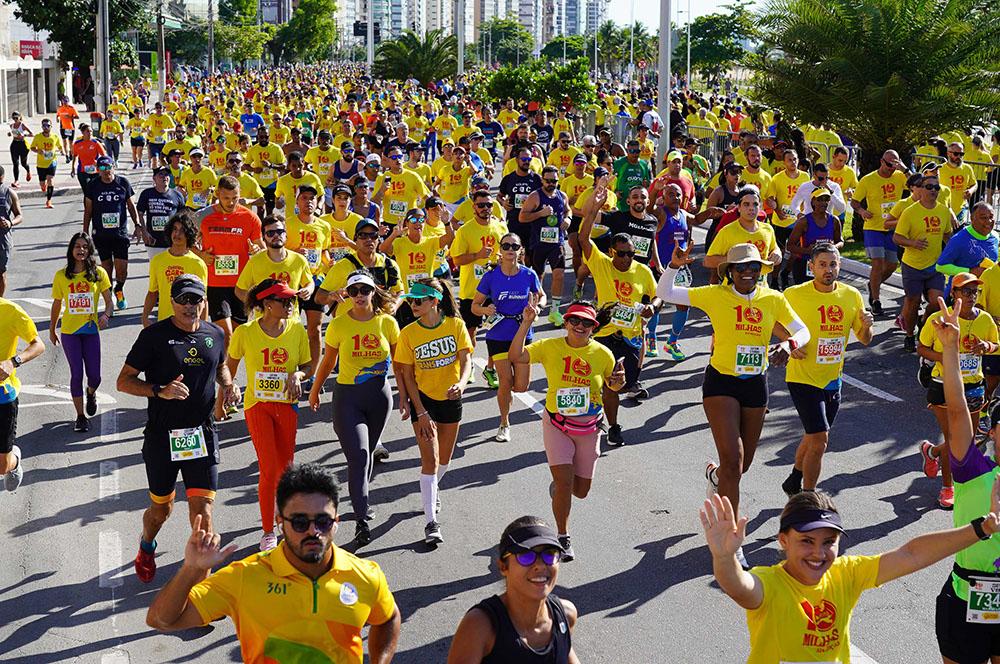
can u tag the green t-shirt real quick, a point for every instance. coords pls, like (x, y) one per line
(974, 479)
(628, 175)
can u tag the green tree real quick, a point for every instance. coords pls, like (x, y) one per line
(506, 40)
(540, 81)
(190, 44)
(433, 57)
(72, 23)
(240, 43)
(309, 34)
(609, 45)
(576, 47)
(238, 12)
(888, 73)
(123, 55)
(717, 40)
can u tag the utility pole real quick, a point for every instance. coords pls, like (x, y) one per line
(631, 44)
(460, 33)
(161, 52)
(102, 68)
(663, 82)
(371, 35)
(211, 37)
(689, 46)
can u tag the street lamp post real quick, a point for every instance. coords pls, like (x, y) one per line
(689, 46)
(663, 83)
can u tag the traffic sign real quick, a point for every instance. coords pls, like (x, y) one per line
(642, 64)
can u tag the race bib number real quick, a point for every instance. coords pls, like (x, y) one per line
(573, 401)
(90, 169)
(269, 385)
(339, 252)
(750, 360)
(312, 257)
(414, 278)
(829, 350)
(488, 143)
(642, 245)
(110, 220)
(227, 265)
(491, 321)
(445, 133)
(158, 223)
(684, 277)
(519, 200)
(397, 208)
(623, 316)
(549, 235)
(200, 199)
(323, 169)
(809, 270)
(984, 601)
(969, 364)
(478, 270)
(886, 209)
(187, 444)
(786, 210)
(48, 154)
(80, 304)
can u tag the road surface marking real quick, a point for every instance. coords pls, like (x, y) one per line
(859, 656)
(115, 657)
(109, 480)
(871, 389)
(524, 397)
(109, 555)
(61, 392)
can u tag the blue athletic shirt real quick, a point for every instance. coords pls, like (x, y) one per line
(510, 295)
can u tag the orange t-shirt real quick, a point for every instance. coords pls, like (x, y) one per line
(228, 237)
(67, 114)
(87, 153)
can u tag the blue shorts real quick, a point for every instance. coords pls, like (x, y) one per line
(879, 244)
(917, 283)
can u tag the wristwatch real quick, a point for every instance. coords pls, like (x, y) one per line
(156, 390)
(977, 525)
(16, 361)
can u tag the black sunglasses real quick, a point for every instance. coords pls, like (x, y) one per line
(484, 205)
(355, 291)
(510, 246)
(527, 558)
(753, 266)
(577, 321)
(932, 187)
(368, 235)
(300, 523)
(274, 232)
(550, 181)
(189, 298)
(625, 254)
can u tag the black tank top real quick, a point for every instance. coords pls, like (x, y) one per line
(728, 198)
(510, 648)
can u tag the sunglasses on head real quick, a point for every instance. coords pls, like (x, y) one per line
(274, 232)
(527, 558)
(747, 267)
(189, 298)
(300, 523)
(356, 290)
(576, 321)
(510, 246)
(368, 235)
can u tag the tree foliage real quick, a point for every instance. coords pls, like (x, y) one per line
(575, 47)
(122, 55)
(615, 45)
(309, 34)
(73, 24)
(426, 59)
(240, 43)
(717, 40)
(238, 12)
(888, 73)
(507, 41)
(540, 81)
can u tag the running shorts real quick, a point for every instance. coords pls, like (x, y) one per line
(552, 255)
(879, 244)
(497, 349)
(918, 282)
(975, 395)
(46, 172)
(111, 246)
(8, 426)
(621, 347)
(959, 640)
(750, 392)
(223, 303)
(201, 476)
(440, 412)
(562, 449)
(817, 407)
(471, 320)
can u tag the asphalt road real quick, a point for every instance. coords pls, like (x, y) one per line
(642, 579)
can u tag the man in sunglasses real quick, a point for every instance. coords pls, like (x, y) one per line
(106, 200)
(563, 154)
(267, 162)
(276, 262)
(880, 190)
(630, 171)
(366, 256)
(156, 206)
(515, 187)
(547, 212)
(181, 359)
(961, 177)
(398, 189)
(270, 596)
(802, 201)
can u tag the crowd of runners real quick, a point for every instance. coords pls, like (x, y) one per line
(348, 244)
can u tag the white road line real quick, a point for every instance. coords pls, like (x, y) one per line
(871, 389)
(61, 392)
(524, 397)
(36, 301)
(109, 427)
(109, 549)
(859, 656)
(36, 404)
(109, 480)
(115, 657)
(109, 559)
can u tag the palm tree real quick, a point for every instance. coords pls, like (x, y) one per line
(428, 59)
(888, 73)
(609, 44)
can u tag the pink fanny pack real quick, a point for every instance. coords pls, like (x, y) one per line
(575, 426)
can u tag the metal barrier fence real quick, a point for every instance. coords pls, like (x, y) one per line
(988, 167)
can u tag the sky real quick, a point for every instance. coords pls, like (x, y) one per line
(648, 11)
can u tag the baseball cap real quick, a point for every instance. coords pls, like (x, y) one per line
(373, 159)
(162, 170)
(362, 224)
(433, 202)
(347, 145)
(964, 279)
(580, 158)
(341, 188)
(105, 161)
(600, 172)
(447, 141)
(186, 283)
(674, 154)
(279, 289)
(175, 152)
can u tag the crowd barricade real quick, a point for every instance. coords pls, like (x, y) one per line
(988, 166)
(621, 132)
(825, 151)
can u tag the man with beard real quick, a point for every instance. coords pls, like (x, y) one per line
(271, 595)
(514, 191)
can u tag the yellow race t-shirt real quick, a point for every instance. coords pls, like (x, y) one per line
(575, 376)
(338, 247)
(15, 324)
(917, 222)
(47, 147)
(80, 298)
(198, 186)
(879, 194)
(293, 270)
(364, 346)
(782, 189)
(312, 240)
(454, 184)
(403, 191)
(799, 623)
(433, 353)
(625, 289)
(733, 233)
(469, 239)
(830, 318)
(164, 267)
(283, 615)
(321, 161)
(416, 260)
(288, 188)
(981, 327)
(269, 360)
(959, 179)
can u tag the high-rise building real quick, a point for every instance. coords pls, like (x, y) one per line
(575, 16)
(529, 14)
(416, 16)
(438, 15)
(596, 14)
(391, 15)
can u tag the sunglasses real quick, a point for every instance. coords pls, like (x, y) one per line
(347, 151)
(625, 254)
(483, 206)
(274, 232)
(638, 151)
(576, 321)
(968, 291)
(550, 181)
(188, 299)
(525, 159)
(417, 301)
(932, 187)
(369, 235)
(958, 153)
(510, 246)
(527, 558)
(283, 301)
(747, 267)
(300, 523)
(355, 291)
(396, 157)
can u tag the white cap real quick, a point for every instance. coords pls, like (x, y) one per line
(360, 279)
(373, 159)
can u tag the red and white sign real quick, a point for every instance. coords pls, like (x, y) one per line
(642, 64)
(32, 48)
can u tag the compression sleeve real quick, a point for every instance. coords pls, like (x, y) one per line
(667, 291)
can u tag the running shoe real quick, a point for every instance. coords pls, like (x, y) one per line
(791, 486)
(568, 555)
(91, 404)
(380, 453)
(636, 391)
(145, 565)
(120, 301)
(876, 306)
(675, 352)
(432, 533)
(15, 185)
(28, 174)
(503, 434)
(555, 317)
(578, 292)
(370, 513)
(12, 479)
(362, 533)
(909, 344)
(268, 541)
(615, 435)
(135, 165)
(491, 377)
(900, 323)
(472, 378)
(742, 559)
(946, 497)
(48, 204)
(82, 424)
(651, 349)
(713, 484)
(931, 465)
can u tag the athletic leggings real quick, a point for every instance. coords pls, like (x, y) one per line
(19, 153)
(82, 351)
(272, 427)
(114, 148)
(359, 416)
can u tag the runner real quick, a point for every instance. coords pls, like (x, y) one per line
(748, 227)
(286, 188)
(198, 182)
(830, 310)
(45, 145)
(137, 139)
(267, 161)
(514, 190)
(275, 349)
(491, 631)
(156, 126)
(309, 568)
(500, 298)
(15, 324)
(961, 177)
(779, 196)
(433, 363)
(547, 210)
(398, 189)
(362, 399)
(276, 262)
(979, 337)
(179, 258)
(383, 269)
(79, 285)
(67, 117)
(181, 359)
(106, 200)
(630, 172)
(18, 133)
(735, 390)
(580, 373)
(156, 206)
(815, 226)
(10, 216)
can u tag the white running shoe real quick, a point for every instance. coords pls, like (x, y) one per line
(713, 484)
(503, 434)
(12, 479)
(268, 541)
